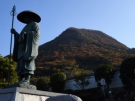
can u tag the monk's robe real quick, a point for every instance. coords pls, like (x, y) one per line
(26, 48)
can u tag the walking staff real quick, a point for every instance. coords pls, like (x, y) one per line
(13, 13)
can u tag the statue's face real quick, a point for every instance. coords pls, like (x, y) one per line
(27, 20)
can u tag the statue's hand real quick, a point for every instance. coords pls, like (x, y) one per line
(23, 33)
(13, 31)
(28, 58)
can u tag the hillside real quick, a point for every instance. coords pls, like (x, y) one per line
(81, 48)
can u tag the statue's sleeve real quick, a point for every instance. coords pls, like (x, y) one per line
(32, 39)
(15, 49)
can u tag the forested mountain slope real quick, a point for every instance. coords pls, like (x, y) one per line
(80, 48)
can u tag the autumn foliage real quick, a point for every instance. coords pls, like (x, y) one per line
(87, 49)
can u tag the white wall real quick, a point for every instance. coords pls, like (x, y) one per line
(116, 82)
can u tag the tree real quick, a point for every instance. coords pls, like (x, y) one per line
(104, 71)
(4, 69)
(58, 81)
(43, 83)
(127, 72)
(82, 79)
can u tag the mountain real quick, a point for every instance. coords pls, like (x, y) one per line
(82, 48)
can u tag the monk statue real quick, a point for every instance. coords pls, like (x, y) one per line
(26, 46)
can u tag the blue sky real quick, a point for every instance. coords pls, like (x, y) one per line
(113, 17)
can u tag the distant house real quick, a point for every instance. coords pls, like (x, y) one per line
(116, 82)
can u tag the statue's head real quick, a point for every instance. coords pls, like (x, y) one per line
(28, 16)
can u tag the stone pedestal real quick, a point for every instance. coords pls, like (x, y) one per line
(22, 94)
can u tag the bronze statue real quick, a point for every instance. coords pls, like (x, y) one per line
(26, 45)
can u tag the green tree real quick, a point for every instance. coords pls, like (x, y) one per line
(43, 83)
(81, 79)
(127, 72)
(4, 69)
(58, 81)
(33, 80)
(104, 71)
